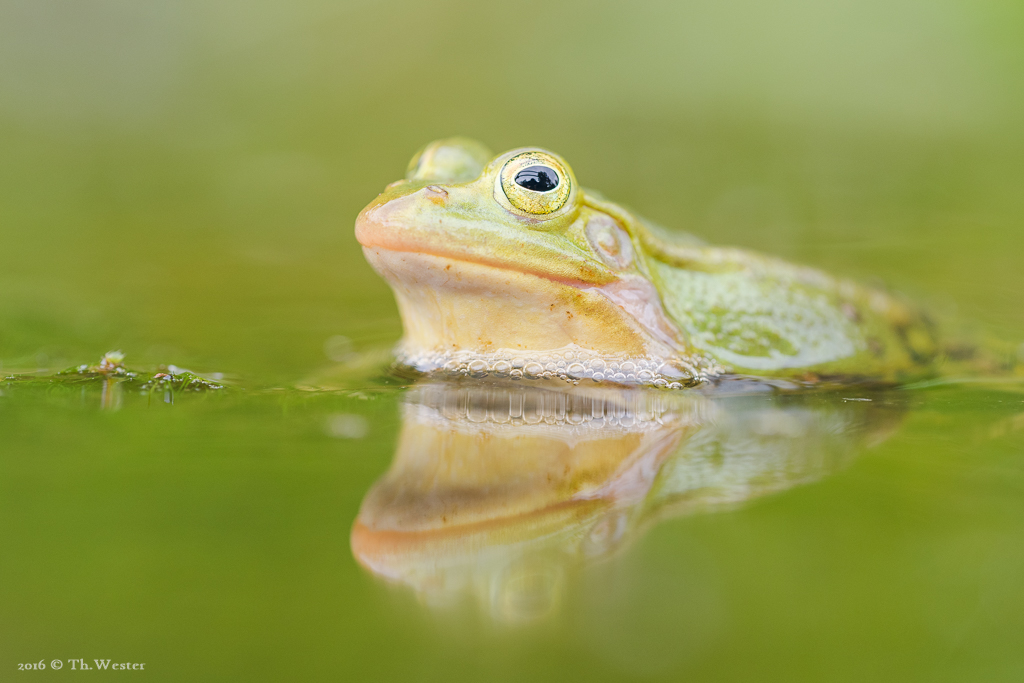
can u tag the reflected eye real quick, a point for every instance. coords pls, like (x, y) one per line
(537, 178)
(535, 183)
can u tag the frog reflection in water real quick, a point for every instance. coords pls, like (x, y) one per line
(506, 267)
(498, 490)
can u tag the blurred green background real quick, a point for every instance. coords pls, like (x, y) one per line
(179, 180)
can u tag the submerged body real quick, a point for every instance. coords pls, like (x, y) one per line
(507, 267)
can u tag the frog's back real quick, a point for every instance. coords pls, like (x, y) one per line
(761, 315)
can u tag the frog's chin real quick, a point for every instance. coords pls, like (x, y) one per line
(473, 318)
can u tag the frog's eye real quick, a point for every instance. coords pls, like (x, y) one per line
(536, 183)
(453, 160)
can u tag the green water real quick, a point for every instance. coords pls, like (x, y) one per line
(179, 181)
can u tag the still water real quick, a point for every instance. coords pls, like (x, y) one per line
(466, 531)
(179, 181)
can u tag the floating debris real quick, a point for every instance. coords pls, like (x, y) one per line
(182, 380)
(112, 364)
(115, 377)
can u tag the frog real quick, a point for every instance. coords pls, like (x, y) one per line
(504, 266)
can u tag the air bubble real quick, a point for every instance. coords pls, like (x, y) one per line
(570, 365)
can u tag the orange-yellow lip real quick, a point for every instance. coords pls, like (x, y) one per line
(407, 223)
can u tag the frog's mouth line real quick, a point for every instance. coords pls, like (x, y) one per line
(533, 254)
(494, 263)
(440, 271)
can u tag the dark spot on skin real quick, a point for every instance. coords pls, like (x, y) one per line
(448, 267)
(961, 351)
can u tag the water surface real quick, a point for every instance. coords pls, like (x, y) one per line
(440, 532)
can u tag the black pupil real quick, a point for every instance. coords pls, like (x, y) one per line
(537, 178)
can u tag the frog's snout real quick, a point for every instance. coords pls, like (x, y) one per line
(387, 222)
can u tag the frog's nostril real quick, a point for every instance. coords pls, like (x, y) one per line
(436, 194)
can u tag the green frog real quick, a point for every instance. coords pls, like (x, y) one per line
(505, 266)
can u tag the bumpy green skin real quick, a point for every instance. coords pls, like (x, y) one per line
(762, 315)
(475, 277)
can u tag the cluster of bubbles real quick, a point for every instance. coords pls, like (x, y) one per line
(571, 365)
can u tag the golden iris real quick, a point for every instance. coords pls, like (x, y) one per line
(536, 183)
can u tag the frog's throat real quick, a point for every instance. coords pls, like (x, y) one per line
(465, 317)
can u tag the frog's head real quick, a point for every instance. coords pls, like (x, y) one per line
(507, 258)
